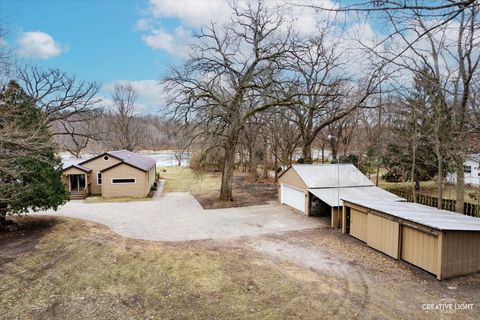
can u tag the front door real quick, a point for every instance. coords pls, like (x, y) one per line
(77, 182)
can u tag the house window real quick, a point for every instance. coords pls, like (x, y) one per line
(99, 178)
(467, 169)
(123, 181)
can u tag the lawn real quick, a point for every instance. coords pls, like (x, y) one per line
(206, 187)
(60, 268)
(54, 268)
(184, 179)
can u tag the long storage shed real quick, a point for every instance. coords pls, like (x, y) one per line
(443, 243)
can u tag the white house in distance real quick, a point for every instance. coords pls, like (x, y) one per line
(471, 169)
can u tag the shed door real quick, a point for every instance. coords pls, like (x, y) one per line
(358, 224)
(293, 197)
(383, 235)
(420, 249)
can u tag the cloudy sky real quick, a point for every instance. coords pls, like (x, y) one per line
(113, 40)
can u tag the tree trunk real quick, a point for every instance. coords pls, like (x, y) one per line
(412, 174)
(227, 174)
(276, 167)
(439, 178)
(460, 187)
(307, 153)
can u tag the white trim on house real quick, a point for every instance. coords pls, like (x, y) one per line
(134, 181)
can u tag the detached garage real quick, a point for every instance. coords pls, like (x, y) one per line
(441, 242)
(317, 189)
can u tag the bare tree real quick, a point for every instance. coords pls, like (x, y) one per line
(284, 135)
(78, 135)
(127, 131)
(230, 64)
(6, 61)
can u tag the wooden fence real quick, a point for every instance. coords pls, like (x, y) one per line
(469, 209)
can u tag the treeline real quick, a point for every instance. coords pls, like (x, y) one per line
(256, 90)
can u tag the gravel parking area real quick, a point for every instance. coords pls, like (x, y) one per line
(177, 216)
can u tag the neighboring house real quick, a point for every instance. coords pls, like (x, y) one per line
(319, 189)
(471, 169)
(112, 174)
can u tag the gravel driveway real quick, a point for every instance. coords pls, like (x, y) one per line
(179, 217)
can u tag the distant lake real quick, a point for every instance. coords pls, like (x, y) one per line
(167, 159)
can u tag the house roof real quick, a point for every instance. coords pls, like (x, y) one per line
(74, 163)
(326, 175)
(134, 159)
(331, 196)
(424, 215)
(79, 167)
(474, 157)
(122, 164)
(124, 156)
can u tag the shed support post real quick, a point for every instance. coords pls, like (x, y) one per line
(307, 203)
(440, 275)
(344, 218)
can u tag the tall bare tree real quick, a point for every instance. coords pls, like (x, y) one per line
(127, 130)
(231, 63)
(70, 106)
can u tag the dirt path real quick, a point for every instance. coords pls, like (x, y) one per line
(372, 284)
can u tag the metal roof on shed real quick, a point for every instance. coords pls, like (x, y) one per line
(330, 195)
(326, 175)
(424, 215)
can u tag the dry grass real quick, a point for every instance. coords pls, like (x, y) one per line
(70, 269)
(183, 179)
(206, 187)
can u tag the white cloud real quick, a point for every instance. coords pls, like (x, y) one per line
(191, 12)
(143, 24)
(37, 44)
(150, 93)
(176, 43)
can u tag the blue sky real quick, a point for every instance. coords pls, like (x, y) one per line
(97, 40)
(100, 38)
(113, 40)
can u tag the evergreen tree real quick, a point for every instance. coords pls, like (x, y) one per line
(30, 172)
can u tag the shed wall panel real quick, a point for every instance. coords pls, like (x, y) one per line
(383, 235)
(420, 249)
(461, 253)
(358, 224)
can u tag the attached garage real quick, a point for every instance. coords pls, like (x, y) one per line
(443, 243)
(317, 190)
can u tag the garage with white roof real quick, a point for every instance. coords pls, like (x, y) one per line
(441, 242)
(317, 189)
